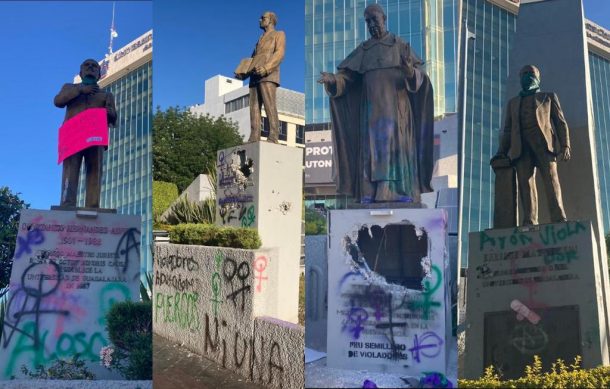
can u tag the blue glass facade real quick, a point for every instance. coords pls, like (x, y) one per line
(127, 180)
(486, 76)
(333, 28)
(600, 91)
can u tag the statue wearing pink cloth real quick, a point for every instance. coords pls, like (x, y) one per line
(82, 135)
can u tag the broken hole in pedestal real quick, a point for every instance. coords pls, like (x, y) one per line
(245, 164)
(394, 252)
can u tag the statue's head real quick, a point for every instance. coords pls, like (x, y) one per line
(375, 20)
(90, 70)
(530, 77)
(268, 18)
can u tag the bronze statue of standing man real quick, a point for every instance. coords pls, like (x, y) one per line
(264, 72)
(77, 98)
(535, 134)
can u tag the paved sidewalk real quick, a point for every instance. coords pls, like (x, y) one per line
(175, 367)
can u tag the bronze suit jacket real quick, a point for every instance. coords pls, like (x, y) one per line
(269, 52)
(69, 96)
(551, 122)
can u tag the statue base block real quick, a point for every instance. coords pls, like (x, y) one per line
(260, 185)
(388, 293)
(533, 290)
(68, 270)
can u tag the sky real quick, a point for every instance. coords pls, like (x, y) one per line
(43, 45)
(211, 38)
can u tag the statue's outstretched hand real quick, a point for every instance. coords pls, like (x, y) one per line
(565, 153)
(327, 78)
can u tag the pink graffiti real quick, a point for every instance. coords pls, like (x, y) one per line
(260, 264)
(524, 312)
(530, 284)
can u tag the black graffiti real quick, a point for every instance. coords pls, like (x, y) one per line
(230, 269)
(390, 325)
(229, 213)
(275, 365)
(126, 245)
(175, 281)
(35, 294)
(174, 262)
(249, 352)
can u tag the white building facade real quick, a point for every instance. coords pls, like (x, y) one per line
(229, 97)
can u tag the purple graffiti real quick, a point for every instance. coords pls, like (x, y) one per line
(357, 316)
(33, 237)
(428, 345)
(434, 380)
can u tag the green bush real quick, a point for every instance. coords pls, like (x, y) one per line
(212, 235)
(61, 369)
(129, 326)
(164, 194)
(315, 222)
(560, 376)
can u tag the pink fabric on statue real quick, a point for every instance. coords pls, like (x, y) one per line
(88, 128)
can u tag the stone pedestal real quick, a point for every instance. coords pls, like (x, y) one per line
(260, 185)
(316, 291)
(68, 269)
(388, 294)
(534, 291)
(218, 301)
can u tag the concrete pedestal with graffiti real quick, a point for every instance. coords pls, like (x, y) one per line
(534, 291)
(68, 268)
(220, 303)
(260, 185)
(388, 295)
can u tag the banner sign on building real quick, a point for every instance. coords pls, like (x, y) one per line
(318, 162)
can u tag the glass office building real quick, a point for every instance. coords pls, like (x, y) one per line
(600, 90)
(127, 180)
(494, 23)
(486, 75)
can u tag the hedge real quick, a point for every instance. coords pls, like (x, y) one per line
(129, 326)
(560, 376)
(212, 235)
(164, 194)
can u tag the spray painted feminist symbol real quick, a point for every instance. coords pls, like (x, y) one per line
(32, 238)
(428, 341)
(357, 316)
(242, 272)
(529, 338)
(426, 302)
(37, 293)
(260, 264)
(126, 245)
(216, 283)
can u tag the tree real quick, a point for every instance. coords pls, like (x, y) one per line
(10, 209)
(185, 144)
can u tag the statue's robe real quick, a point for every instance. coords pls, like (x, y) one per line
(383, 123)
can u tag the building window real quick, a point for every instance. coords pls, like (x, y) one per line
(265, 127)
(300, 134)
(283, 131)
(237, 104)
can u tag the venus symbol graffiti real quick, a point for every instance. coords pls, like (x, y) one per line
(67, 272)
